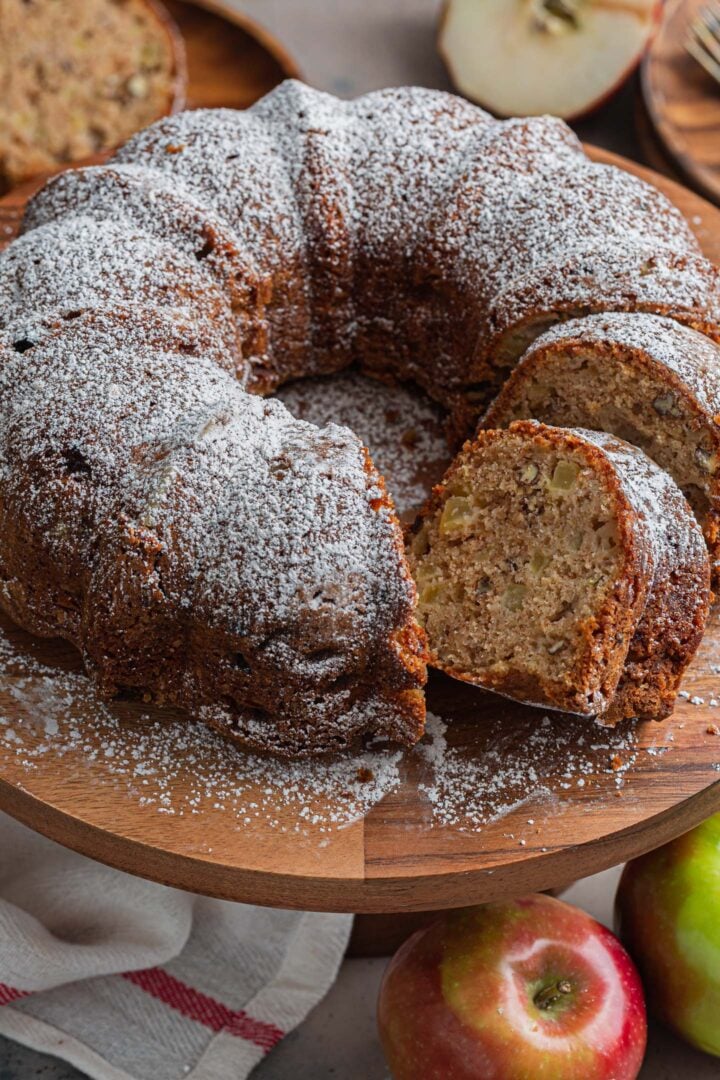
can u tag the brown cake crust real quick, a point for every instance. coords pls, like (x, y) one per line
(639, 642)
(198, 543)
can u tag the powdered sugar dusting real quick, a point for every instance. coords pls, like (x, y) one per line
(55, 269)
(470, 791)
(511, 216)
(146, 200)
(403, 430)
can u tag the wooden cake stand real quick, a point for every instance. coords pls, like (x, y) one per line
(500, 799)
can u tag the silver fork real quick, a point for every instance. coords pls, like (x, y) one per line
(703, 40)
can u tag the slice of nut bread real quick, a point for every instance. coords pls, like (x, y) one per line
(644, 378)
(80, 76)
(562, 568)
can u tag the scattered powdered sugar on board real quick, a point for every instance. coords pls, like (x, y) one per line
(400, 426)
(471, 776)
(177, 765)
(469, 790)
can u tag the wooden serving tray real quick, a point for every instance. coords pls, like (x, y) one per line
(500, 800)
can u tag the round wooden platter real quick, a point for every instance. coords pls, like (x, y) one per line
(683, 101)
(498, 800)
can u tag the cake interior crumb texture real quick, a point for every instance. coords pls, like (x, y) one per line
(647, 380)
(80, 76)
(522, 552)
(577, 385)
(543, 572)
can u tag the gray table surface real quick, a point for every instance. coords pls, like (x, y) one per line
(348, 47)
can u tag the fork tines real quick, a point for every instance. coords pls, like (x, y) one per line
(703, 40)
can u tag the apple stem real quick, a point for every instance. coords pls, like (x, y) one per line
(552, 994)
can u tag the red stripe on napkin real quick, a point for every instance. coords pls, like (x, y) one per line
(205, 1010)
(11, 993)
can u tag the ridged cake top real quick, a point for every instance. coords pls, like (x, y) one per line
(78, 263)
(302, 185)
(412, 168)
(150, 202)
(382, 149)
(529, 198)
(267, 513)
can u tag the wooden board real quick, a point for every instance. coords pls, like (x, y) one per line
(518, 802)
(683, 101)
(653, 152)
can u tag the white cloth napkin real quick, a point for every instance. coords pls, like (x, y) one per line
(128, 980)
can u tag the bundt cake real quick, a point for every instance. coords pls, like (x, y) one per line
(198, 541)
(562, 568)
(406, 231)
(79, 76)
(646, 379)
(202, 545)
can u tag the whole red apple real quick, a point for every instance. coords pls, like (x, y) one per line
(531, 989)
(668, 913)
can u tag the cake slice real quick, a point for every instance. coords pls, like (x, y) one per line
(644, 378)
(79, 77)
(564, 569)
